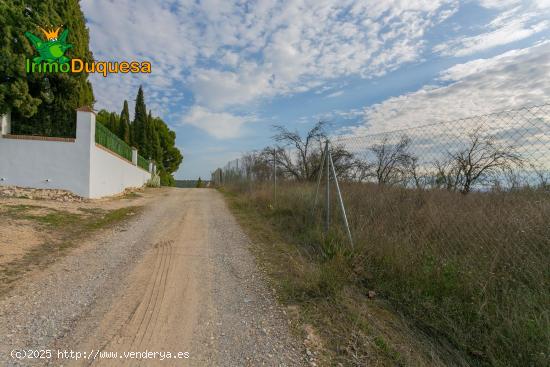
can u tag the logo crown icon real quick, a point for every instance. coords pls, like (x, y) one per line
(51, 34)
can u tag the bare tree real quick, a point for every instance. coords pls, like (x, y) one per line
(447, 175)
(482, 159)
(345, 163)
(286, 166)
(361, 170)
(257, 165)
(303, 160)
(392, 161)
(543, 177)
(413, 171)
(299, 158)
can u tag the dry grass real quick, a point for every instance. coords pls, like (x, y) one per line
(470, 271)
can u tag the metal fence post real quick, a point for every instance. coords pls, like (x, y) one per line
(340, 200)
(275, 176)
(319, 176)
(327, 163)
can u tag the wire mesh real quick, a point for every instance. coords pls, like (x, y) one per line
(503, 150)
(450, 220)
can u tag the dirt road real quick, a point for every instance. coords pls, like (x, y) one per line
(179, 279)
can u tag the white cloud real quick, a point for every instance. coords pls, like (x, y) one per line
(219, 89)
(503, 4)
(511, 80)
(221, 125)
(335, 94)
(233, 53)
(499, 3)
(143, 31)
(293, 46)
(515, 30)
(516, 21)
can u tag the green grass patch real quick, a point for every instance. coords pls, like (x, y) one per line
(15, 210)
(111, 217)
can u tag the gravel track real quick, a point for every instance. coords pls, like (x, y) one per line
(179, 278)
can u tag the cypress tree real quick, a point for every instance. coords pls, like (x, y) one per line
(148, 135)
(113, 122)
(124, 127)
(151, 136)
(15, 85)
(140, 120)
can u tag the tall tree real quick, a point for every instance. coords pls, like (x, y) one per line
(149, 134)
(171, 156)
(42, 104)
(103, 117)
(124, 127)
(156, 147)
(140, 119)
(113, 122)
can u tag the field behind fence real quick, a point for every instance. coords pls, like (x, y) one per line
(449, 222)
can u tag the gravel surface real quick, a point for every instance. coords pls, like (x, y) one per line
(177, 278)
(244, 324)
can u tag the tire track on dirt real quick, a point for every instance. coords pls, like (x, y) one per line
(139, 321)
(149, 295)
(155, 312)
(196, 290)
(122, 330)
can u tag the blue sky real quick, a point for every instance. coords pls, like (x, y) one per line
(225, 71)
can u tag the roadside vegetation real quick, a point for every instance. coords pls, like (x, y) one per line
(470, 271)
(59, 230)
(467, 269)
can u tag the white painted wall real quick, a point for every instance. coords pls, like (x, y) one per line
(79, 166)
(110, 174)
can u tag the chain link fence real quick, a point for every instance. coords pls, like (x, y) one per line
(449, 220)
(505, 152)
(500, 151)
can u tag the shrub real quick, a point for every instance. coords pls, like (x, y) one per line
(154, 181)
